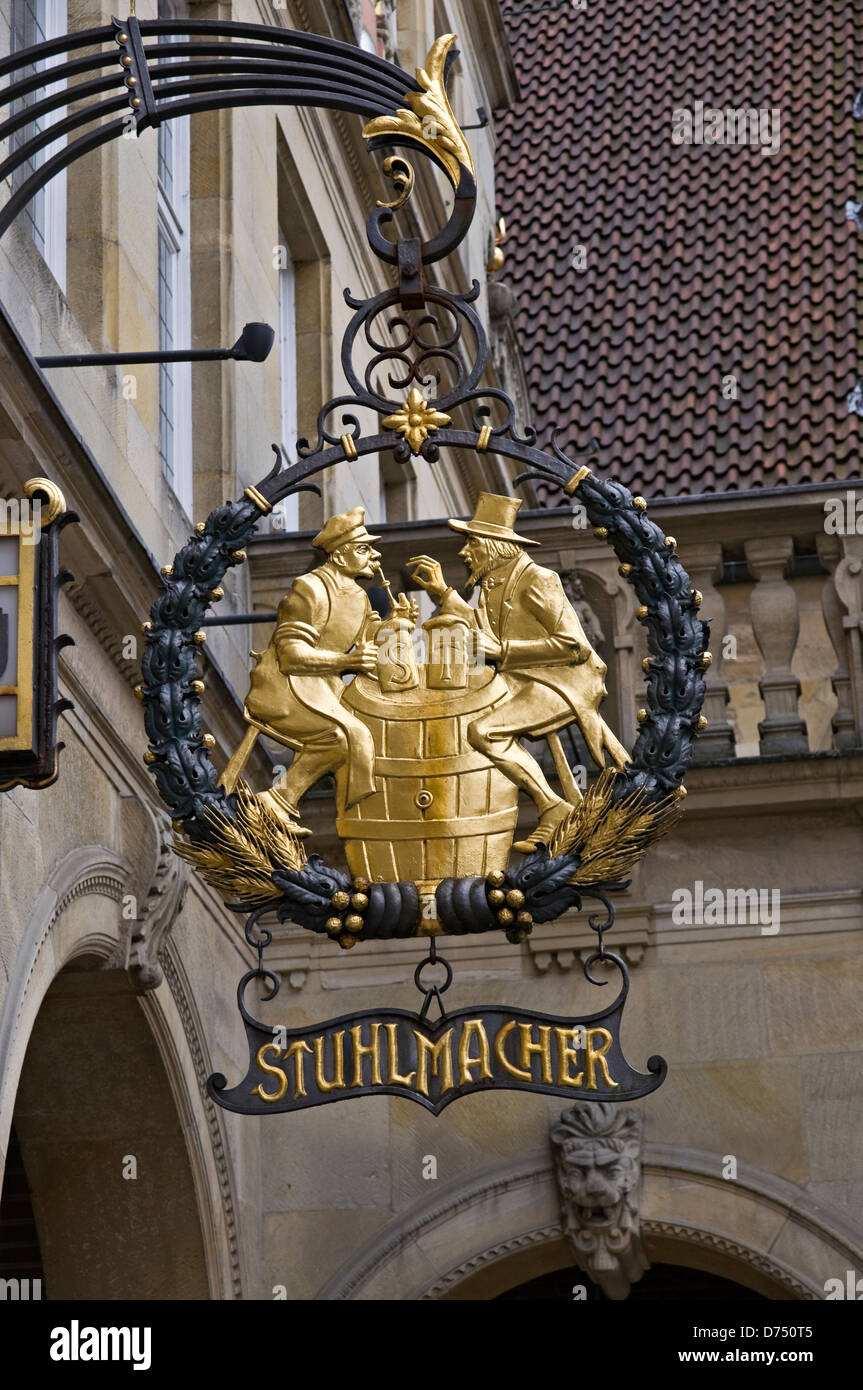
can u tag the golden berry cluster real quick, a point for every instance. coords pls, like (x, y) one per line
(507, 904)
(348, 920)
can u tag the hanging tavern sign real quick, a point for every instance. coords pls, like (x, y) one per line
(428, 758)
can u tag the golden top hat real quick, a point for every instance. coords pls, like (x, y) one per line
(345, 529)
(493, 519)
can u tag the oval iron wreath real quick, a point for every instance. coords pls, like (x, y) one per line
(591, 853)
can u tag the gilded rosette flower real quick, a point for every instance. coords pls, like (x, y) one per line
(416, 420)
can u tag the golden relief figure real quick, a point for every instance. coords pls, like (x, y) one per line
(326, 629)
(427, 760)
(531, 631)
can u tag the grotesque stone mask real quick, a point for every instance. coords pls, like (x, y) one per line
(597, 1152)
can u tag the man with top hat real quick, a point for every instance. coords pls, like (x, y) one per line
(326, 628)
(532, 633)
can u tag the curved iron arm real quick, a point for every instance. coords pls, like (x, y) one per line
(317, 44)
(256, 65)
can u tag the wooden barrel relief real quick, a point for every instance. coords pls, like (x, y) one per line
(442, 810)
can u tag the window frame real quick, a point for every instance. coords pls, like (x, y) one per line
(47, 226)
(173, 231)
(287, 516)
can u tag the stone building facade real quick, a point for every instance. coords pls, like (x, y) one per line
(119, 968)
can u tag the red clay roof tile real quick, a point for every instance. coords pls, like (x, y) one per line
(703, 261)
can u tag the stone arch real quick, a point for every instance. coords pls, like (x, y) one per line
(503, 1228)
(72, 946)
(50, 940)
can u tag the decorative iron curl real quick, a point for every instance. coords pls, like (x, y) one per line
(458, 306)
(256, 935)
(260, 974)
(352, 429)
(464, 387)
(506, 429)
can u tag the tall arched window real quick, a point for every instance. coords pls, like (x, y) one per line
(34, 21)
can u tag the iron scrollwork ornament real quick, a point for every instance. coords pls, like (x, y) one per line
(427, 817)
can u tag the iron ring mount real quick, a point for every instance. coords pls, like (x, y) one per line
(433, 992)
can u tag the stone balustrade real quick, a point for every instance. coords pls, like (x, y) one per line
(781, 587)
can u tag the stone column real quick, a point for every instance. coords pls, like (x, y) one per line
(388, 34)
(848, 579)
(776, 624)
(717, 740)
(356, 11)
(845, 733)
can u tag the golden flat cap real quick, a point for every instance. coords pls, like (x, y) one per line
(344, 529)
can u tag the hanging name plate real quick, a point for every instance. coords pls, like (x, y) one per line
(397, 1053)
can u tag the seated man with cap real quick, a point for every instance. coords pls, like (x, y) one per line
(326, 627)
(533, 634)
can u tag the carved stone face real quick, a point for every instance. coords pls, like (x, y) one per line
(596, 1179)
(597, 1160)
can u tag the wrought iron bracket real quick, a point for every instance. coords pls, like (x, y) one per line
(253, 345)
(415, 335)
(158, 70)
